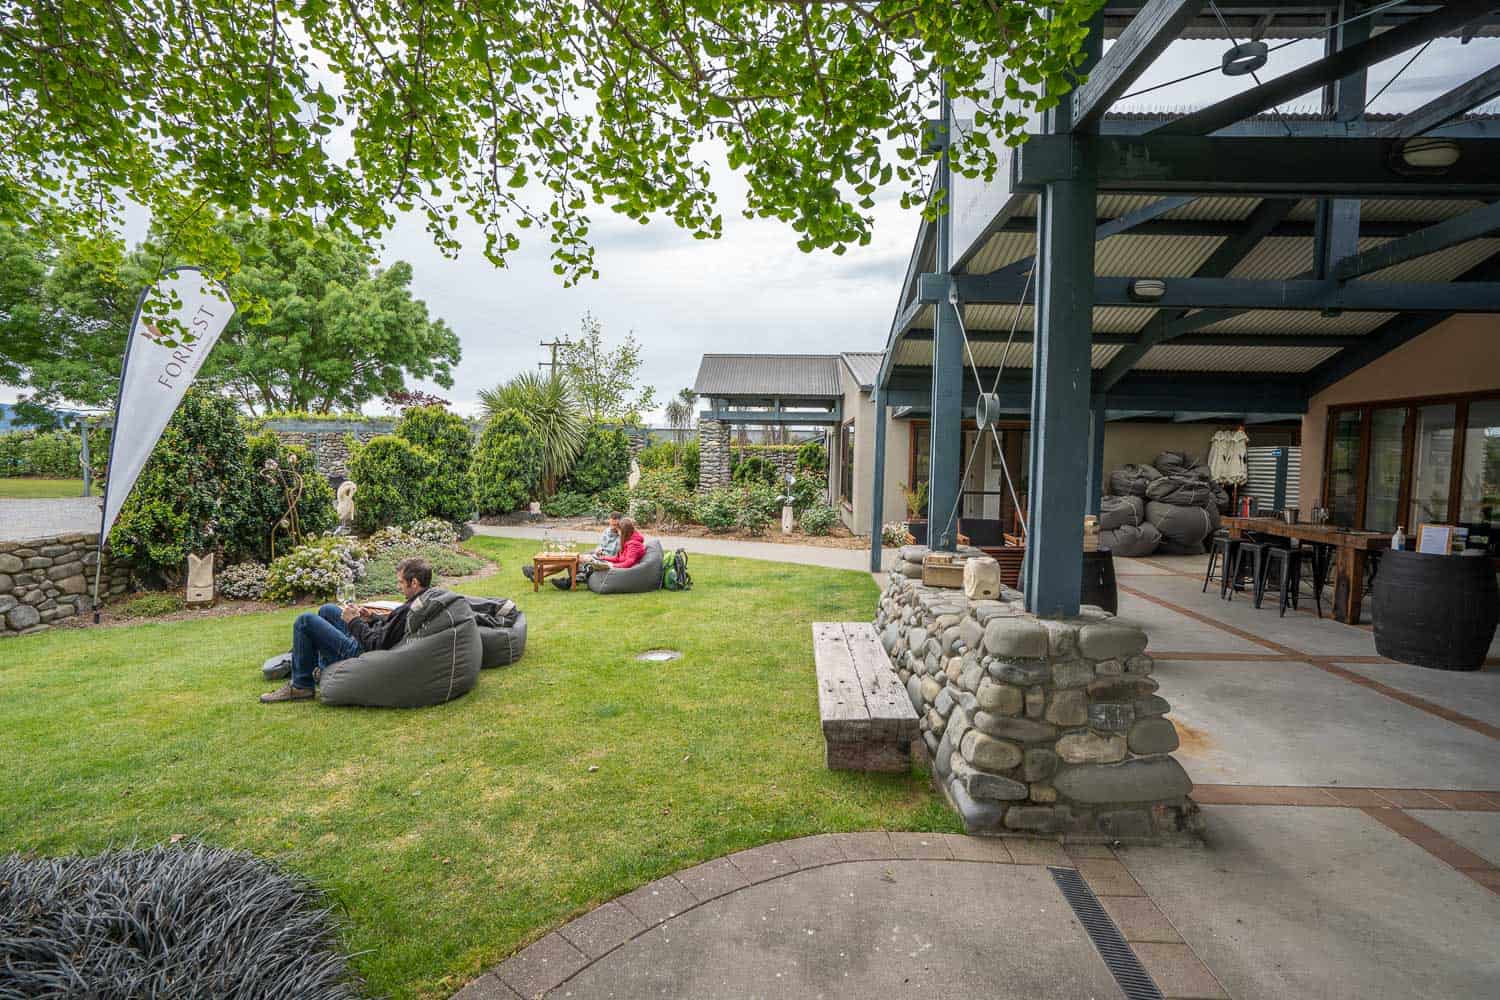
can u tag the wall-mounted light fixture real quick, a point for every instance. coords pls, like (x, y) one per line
(1147, 289)
(1428, 154)
(1245, 58)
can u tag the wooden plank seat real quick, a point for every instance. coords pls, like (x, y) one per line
(868, 719)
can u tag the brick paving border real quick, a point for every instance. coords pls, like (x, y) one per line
(560, 955)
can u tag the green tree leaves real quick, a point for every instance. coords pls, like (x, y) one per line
(510, 115)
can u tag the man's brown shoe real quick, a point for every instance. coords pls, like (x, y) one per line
(288, 693)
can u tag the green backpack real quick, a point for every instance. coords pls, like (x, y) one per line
(674, 572)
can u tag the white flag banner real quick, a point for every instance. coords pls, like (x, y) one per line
(177, 322)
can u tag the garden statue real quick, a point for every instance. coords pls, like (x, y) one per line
(787, 512)
(343, 503)
(634, 479)
(200, 580)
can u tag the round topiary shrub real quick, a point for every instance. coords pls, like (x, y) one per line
(604, 461)
(433, 529)
(508, 464)
(392, 474)
(193, 493)
(448, 492)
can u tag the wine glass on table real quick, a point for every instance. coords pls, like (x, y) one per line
(346, 593)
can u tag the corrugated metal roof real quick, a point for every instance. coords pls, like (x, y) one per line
(1295, 321)
(864, 366)
(768, 375)
(1394, 209)
(1234, 359)
(1131, 255)
(1445, 265)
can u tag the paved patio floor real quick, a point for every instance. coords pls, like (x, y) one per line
(1352, 850)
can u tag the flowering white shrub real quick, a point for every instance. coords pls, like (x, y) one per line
(390, 538)
(893, 533)
(315, 569)
(433, 529)
(244, 581)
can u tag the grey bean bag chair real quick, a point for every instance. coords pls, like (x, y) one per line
(1183, 491)
(1120, 512)
(1132, 480)
(503, 644)
(436, 662)
(1183, 529)
(1131, 540)
(1174, 463)
(638, 579)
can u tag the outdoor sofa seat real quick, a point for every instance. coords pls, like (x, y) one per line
(638, 579)
(437, 661)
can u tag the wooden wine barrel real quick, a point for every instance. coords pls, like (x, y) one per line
(1435, 611)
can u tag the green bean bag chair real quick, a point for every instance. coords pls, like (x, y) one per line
(436, 662)
(638, 579)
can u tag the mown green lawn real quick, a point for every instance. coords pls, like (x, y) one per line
(452, 836)
(29, 488)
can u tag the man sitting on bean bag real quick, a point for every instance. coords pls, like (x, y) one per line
(336, 633)
(632, 549)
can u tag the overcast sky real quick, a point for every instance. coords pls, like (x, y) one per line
(753, 291)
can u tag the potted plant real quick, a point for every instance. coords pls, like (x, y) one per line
(916, 511)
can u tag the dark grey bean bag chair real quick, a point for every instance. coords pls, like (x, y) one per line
(436, 662)
(1183, 529)
(1131, 541)
(503, 643)
(1120, 512)
(1132, 480)
(1174, 463)
(638, 579)
(1183, 491)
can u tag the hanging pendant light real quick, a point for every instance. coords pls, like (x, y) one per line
(1244, 58)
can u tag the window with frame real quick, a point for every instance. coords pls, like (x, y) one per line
(846, 463)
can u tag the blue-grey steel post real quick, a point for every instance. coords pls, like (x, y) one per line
(877, 488)
(1096, 454)
(1061, 379)
(946, 431)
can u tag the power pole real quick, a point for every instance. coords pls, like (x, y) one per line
(553, 345)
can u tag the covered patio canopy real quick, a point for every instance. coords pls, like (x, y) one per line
(1228, 260)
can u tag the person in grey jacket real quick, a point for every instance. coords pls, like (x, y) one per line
(336, 633)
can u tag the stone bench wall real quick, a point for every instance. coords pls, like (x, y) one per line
(1036, 726)
(44, 580)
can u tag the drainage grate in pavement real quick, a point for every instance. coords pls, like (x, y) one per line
(1118, 957)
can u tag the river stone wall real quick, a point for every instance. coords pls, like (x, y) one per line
(47, 579)
(328, 441)
(713, 455)
(1036, 726)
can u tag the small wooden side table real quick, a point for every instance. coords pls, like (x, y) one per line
(544, 564)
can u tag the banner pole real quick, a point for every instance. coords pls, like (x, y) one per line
(114, 437)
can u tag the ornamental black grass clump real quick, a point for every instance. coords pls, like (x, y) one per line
(183, 921)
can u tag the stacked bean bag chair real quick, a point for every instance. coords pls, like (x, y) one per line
(1120, 512)
(1174, 463)
(1184, 529)
(1132, 480)
(1123, 528)
(638, 579)
(439, 660)
(502, 630)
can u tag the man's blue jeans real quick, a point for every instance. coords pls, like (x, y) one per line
(318, 640)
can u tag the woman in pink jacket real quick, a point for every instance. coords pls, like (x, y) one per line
(632, 551)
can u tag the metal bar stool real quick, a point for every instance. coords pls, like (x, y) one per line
(1255, 553)
(1221, 555)
(1322, 557)
(1286, 565)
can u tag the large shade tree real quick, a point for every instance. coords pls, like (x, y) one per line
(318, 328)
(514, 115)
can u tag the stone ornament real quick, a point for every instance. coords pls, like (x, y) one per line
(200, 580)
(981, 578)
(343, 502)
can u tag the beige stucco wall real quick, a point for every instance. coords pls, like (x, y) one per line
(1126, 443)
(1461, 354)
(861, 406)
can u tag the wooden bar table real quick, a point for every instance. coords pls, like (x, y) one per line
(1352, 549)
(544, 564)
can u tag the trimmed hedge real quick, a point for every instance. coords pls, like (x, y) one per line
(448, 491)
(392, 474)
(508, 463)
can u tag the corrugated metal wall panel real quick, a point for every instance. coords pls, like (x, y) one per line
(1260, 481)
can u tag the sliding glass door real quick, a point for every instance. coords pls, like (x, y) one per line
(1432, 466)
(1479, 501)
(1383, 481)
(1342, 481)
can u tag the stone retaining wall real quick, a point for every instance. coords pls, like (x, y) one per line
(329, 443)
(1036, 726)
(47, 579)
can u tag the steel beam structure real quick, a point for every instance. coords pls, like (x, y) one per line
(1337, 228)
(1097, 417)
(1264, 167)
(1338, 65)
(1206, 228)
(1186, 340)
(946, 430)
(1459, 229)
(877, 493)
(1443, 109)
(1147, 36)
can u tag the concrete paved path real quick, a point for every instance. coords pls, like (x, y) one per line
(23, 520)
(806, 555)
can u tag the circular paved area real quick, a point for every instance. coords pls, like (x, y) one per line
(855, 915)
